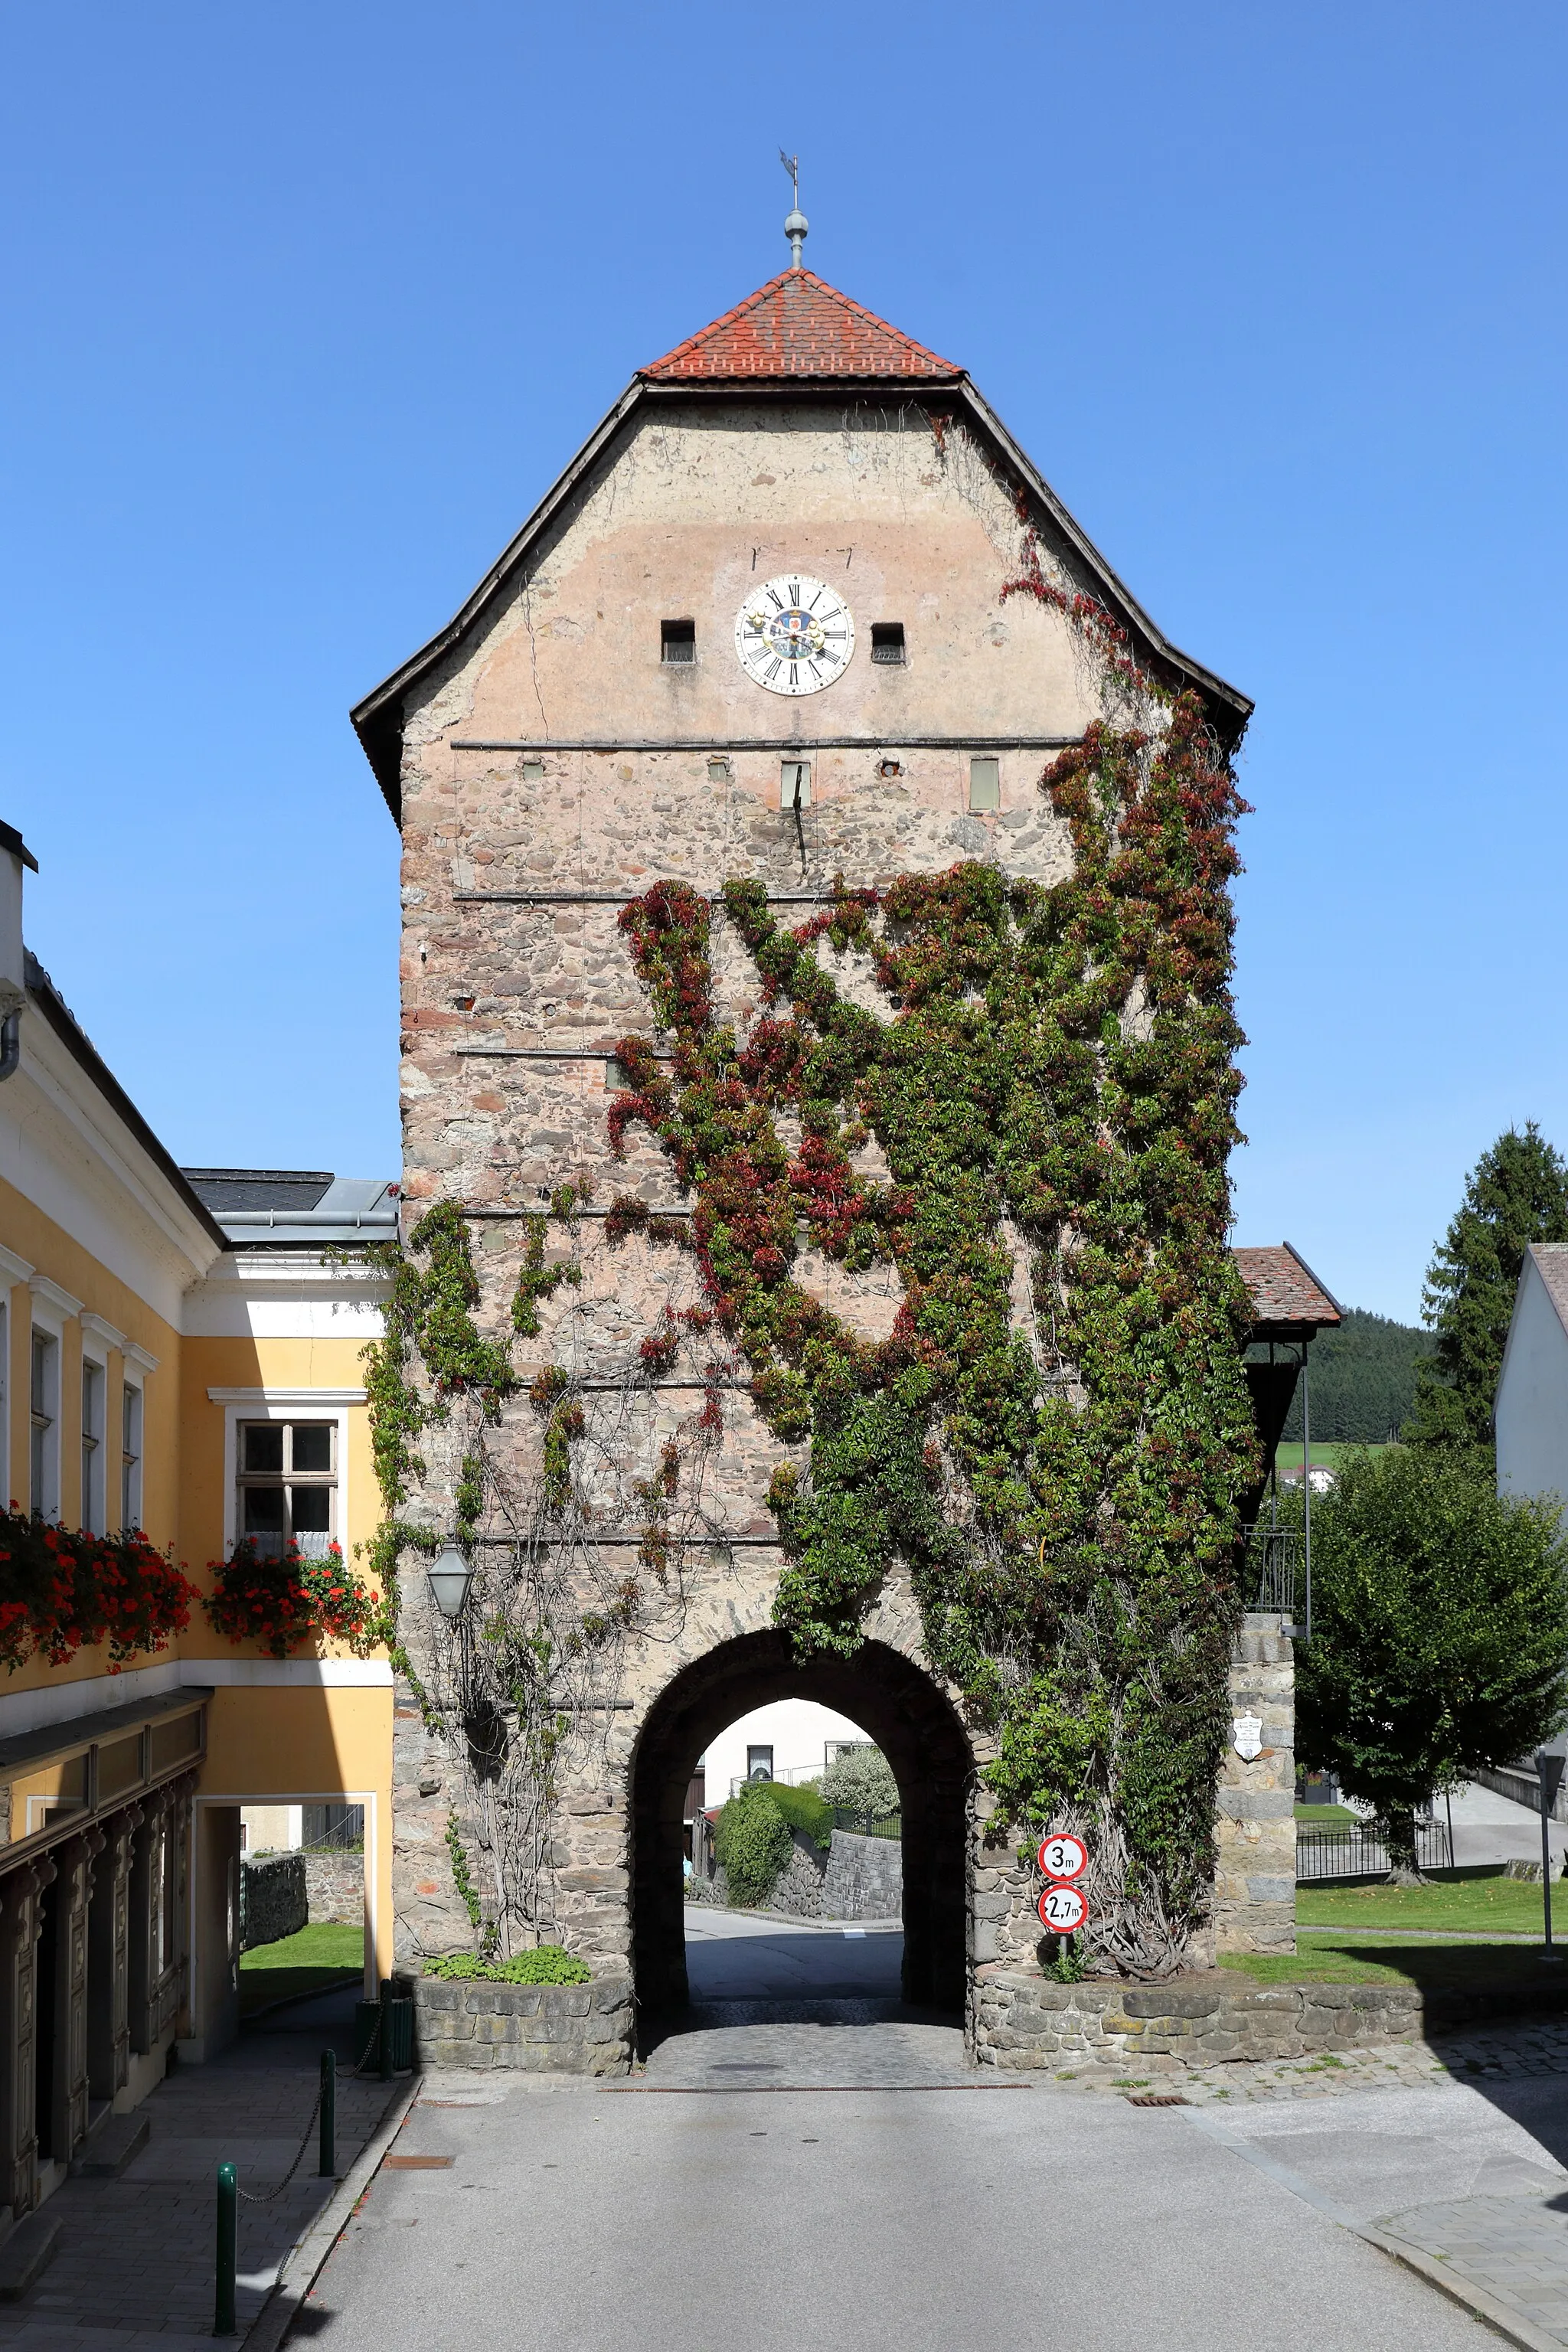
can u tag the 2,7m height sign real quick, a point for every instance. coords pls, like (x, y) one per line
(1063, 1859)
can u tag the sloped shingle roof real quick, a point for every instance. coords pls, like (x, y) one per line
(799, 326)
(1286, 1293)
(1551, 1265)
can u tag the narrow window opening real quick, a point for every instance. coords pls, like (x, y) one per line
(717, 771)
(678, 641)
(887, 641)
(759, 1763)
(534, 771)
(985, 783)
(130, 1457)
(795, 785)
(92, 1384)
(44, 1490)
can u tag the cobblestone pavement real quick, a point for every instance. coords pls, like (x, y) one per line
(845, 2044)
(134, 2269)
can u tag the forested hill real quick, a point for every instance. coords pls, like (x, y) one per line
(1363, 1378)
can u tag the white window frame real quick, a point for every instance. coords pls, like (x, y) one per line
(94, 1497)
(131, 1393)
(44, 1448)
(286, 1404)
(285, 1481)
(13, 1272)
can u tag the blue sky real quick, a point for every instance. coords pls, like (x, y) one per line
(307, 306)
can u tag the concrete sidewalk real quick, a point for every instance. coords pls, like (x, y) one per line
(133, 2268)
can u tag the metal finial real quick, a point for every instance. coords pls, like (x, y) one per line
(796, 225)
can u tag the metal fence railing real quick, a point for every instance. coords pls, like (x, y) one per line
(1273, 1568)
(1359, 1851)
(877, 1826)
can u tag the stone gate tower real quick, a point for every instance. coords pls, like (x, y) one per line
(756, 630)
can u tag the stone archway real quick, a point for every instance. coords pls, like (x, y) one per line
(916, 1730)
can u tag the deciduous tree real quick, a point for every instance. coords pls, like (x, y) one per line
(1440, 1638)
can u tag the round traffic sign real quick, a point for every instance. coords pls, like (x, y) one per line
(1062, 1857)
(1061, 1909)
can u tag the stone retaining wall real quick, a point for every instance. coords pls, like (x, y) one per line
(865, 1878)
(334, 1886)
(1026, 2022)
(1021, 2023)
(582, 2029)
(272, 1899)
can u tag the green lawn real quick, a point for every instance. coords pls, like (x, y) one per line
(1462, 1903)
(313, 1960)
(1326, 1455)
(1325, 1817)
(1320, 1959)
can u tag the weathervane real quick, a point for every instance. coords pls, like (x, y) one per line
(796, 225)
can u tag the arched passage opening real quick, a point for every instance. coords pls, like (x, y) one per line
(918, 1731)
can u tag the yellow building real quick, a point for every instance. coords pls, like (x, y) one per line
(180, 1352)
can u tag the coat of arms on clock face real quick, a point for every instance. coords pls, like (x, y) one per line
(793, 634)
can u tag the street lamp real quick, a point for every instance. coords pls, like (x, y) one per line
(450, 1575)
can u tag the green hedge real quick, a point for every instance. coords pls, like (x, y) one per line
(546, 1964)
(803, 1809)
(752, 1843)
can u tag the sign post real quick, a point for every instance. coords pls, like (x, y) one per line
(1549, 1764)
(1063, 1859)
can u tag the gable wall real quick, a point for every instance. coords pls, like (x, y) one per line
(1533, 1396)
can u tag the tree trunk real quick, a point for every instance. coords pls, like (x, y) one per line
(1398, 1827)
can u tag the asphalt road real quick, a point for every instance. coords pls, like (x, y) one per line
(735, 1956)
(584, 2219)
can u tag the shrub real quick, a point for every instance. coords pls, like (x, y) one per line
(752, 1844)
(804, 1809)
(545, 1964)
(861, 1780)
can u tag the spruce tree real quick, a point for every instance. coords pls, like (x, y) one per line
(1516, 1193)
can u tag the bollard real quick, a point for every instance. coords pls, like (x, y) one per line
(385, 2029)
(227, 2232)
(328, 2165)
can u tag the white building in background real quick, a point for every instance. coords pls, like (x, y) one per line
(789, 1741)
(1532, 1407)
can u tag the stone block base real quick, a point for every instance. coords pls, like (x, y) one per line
(1020, 2022)
(582, 2029)
(1032, 2023)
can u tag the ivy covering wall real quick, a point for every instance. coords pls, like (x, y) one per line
(1053, 1438)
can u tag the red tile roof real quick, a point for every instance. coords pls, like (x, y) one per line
(1286, 1293)
(796, 326)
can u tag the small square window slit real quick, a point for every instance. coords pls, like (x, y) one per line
(534, 771)
(985, 784)
(795, 783)
(678, 641)
(888, 642)
(717, 771)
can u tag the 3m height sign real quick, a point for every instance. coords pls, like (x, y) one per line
(1062, 1857)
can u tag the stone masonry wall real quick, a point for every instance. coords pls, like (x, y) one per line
(1255, 1878)
(536, 2029)
(1033, 2024)
(553, 768)
(334, 1887)
(272, 1899)
(865, 1878)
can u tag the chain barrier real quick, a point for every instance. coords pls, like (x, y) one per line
(372, 2051)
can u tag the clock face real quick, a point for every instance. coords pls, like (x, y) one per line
(794, 635)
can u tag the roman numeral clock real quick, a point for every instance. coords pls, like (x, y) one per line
(793, 634)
